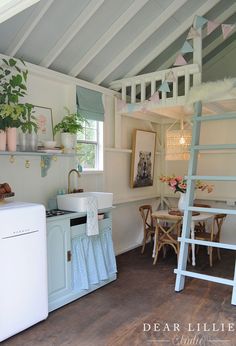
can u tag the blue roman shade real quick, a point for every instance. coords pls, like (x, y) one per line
(89, 104)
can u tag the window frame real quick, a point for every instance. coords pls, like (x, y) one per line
(99, 151)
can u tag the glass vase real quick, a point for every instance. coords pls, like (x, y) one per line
(28, 141)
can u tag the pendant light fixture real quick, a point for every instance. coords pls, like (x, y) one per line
(178, 142)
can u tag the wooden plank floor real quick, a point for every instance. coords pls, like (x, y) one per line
(143, 293)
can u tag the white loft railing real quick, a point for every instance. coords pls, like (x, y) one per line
(137, 89)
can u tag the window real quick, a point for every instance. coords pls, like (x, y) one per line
(90, 145)
(90, 142)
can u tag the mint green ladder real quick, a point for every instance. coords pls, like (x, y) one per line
(191, 179)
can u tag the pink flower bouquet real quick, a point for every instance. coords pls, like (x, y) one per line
(179, 184)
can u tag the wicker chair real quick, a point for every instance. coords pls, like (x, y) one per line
(148, 226)
(214, 235)
(201, 226)
(167, 231)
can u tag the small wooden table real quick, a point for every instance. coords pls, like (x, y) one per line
(195, 219)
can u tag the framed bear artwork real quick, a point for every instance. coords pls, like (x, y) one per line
(143, 157)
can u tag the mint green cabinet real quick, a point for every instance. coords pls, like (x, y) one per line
(93, 259)
(59, 260)
(78, 264)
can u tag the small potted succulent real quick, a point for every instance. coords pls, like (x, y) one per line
(69, 126)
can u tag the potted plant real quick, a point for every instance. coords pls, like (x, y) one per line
(9, 121)
(29, 128)
(12, 87)
(69, 126)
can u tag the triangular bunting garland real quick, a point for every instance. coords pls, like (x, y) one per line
(200, 22)
(192, 34)
(170, 77)
(164, 87)
(227, 29)
(120, 104)
(180, 60)
(155, 97)
(187, 48)
(211, 26)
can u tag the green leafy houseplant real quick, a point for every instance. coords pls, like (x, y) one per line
(13, 80)
(28, 120)
(10, 115)
(71, 123)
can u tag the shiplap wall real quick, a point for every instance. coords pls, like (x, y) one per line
(127, 227)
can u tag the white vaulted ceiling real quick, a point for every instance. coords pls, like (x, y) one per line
(104, 40)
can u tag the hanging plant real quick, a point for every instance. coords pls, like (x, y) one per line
(28, 120)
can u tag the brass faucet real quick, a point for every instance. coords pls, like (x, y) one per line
(69, 174)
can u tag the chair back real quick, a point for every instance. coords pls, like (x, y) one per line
(218, 222)
(168, 228)
(148, 228)
(201, 226)
(146, 214)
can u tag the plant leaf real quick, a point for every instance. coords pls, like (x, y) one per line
(22, 61)
(12, 62)
(25, 74)
(5, 61)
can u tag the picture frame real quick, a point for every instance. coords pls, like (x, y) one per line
(143, 158)
(44, 120)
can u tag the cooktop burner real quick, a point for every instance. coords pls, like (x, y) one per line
(56, 212)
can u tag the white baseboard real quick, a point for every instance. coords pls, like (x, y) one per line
(119, 252)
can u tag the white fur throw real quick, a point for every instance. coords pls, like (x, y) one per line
(211, 91)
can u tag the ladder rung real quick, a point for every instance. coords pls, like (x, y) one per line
(213, 177)
(213, 210)
(208, 243)
(216, 117)
(214, 146)
(205, 277)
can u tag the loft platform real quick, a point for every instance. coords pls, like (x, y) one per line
(137, 98)
(141, 96)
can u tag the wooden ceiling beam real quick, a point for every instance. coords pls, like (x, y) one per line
(10, 8)
(109, 34)
(220, 55)
(145, 34)
(28, 27)
(171, 38)
(70, 33)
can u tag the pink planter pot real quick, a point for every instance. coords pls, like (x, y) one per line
(3, 140)
(11, 139)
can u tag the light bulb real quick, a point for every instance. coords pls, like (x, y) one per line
(182, 140)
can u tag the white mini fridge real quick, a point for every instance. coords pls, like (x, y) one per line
(23, 267)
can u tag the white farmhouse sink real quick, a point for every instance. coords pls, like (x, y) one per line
(78, 201)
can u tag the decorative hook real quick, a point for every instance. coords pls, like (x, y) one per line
(12, 159)
(27, 163)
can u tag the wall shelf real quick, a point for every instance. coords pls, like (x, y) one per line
(45, 158)
(35, 153)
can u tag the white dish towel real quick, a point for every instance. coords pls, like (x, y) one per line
(92, 216)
